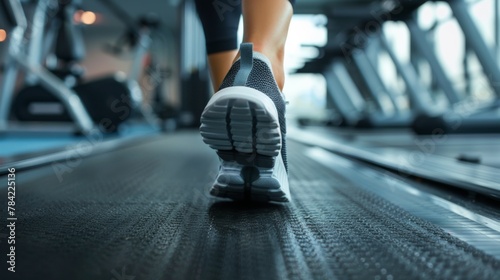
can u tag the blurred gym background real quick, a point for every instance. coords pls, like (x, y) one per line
(173, 76)
(393, 143)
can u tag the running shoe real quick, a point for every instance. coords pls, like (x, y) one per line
(245, 123)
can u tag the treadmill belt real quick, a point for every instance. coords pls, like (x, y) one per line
(144, 212)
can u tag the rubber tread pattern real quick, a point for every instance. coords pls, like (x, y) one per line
(144, 212)
(242, 126)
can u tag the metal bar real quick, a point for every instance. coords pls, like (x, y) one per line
(11, 68)
(340, 98)
(37, 33)
(419, 95)
(16, 13)
(9, 81)
(37, 36)
(477, 43)
(141, 49)
(379, 92)
(353, 94)
(425, 48)
(467, 75)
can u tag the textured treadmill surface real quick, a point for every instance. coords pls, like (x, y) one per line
(144, 213)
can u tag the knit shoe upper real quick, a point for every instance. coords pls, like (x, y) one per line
(262, 79)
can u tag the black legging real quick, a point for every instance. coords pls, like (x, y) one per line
(220, 19)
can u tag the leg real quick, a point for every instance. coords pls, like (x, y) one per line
(220, 20)
(266, 25)
(245, 121)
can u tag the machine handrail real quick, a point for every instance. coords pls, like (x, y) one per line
(14, 13)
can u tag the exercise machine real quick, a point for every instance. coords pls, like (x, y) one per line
(15, 61)
(463, 117)
(109, 100)
(354, 85)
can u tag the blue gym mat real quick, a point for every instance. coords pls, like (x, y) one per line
(13, 144)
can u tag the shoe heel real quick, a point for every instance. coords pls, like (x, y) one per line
(241, 124)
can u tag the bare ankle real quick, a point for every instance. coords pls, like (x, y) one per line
(279, 74)
(277, 62)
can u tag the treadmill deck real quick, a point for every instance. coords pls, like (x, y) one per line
(144, 212)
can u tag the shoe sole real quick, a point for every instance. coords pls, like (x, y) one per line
(242, 125)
